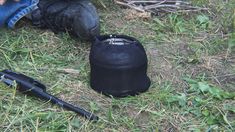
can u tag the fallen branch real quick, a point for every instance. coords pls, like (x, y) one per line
(155, 6)
(129, 5)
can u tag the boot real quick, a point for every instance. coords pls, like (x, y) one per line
(77, 17)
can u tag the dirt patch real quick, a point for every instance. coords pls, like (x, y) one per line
(117, 22)
(161, 66)
(169, 62)
(80, 94)
(168, 126)
(141, 118)
(219, 68)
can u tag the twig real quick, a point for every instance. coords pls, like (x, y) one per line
(128, 5)
(102, 3)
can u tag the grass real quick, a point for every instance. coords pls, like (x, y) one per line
(191, 65)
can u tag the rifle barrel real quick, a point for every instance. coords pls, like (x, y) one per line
(45, 96)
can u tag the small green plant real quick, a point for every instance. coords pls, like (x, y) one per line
(180, 98)
(210, 111)
(206, 88)
(176, 23)
(203, 21)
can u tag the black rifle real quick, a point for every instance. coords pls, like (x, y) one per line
(30, 86)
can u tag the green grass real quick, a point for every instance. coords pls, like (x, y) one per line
(191, 65)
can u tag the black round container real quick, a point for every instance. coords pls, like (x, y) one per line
(118, 66)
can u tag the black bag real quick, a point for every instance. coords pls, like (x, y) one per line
(118, 66)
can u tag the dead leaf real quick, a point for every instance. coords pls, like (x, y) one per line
(131, 14)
